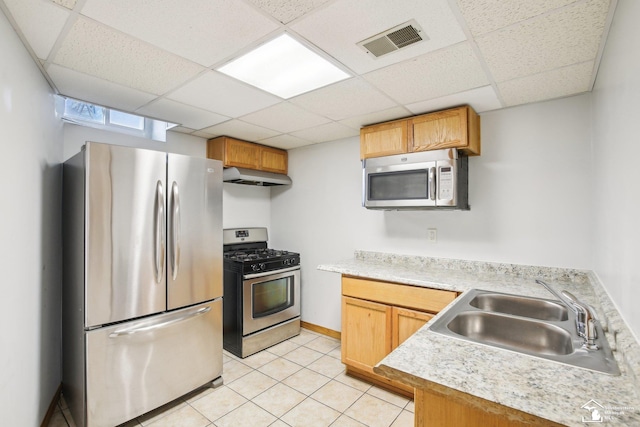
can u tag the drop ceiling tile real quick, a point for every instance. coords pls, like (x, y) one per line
(570, 36)
(94, 49)
(344, 99)
(205, 135)
(92, 89)
(376, 117)
(480, 99)
(286, 11)
(40, 22)
(186, 115)
(485, 16)
(549, 85)
(327, 132)
(204, 31)
(285, 142)
(353, 21)
(284, 117)
(241, 130)
(181, 129)
(69, 4)
(445, 72)
(220, 94)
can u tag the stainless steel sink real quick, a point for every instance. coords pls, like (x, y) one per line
(533, 326)
(515, 333)
(535, 308)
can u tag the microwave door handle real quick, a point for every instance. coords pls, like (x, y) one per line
(432, 183)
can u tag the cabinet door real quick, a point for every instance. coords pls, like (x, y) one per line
(445, 129)
(241, 154)
(405, 323)
(383, 140)
(273, 160)
(366, 334)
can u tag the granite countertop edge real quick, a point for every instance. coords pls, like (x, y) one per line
(540, 387)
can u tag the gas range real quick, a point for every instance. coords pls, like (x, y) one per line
(261, 292)
(254, 260)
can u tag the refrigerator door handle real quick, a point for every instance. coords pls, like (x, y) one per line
(160, 324)
(159, 232)
(175, 230)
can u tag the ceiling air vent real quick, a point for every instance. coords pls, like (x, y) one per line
(393, 39)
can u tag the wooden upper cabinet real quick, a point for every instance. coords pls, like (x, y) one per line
(384, 139)
(243, 154)
(455, 128)
(273, 160)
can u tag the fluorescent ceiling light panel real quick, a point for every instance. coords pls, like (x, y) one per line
(284, 67)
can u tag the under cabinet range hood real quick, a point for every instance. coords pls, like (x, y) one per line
(254, 177)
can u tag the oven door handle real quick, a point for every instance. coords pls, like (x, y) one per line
(270, 273)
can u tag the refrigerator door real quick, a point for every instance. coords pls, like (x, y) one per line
(140, 365)
(125, 192)
(194, 230)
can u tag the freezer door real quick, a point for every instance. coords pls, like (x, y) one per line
(137, 366)
(194, 230)
(125, 193)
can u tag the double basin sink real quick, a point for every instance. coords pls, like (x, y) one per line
(537, 327)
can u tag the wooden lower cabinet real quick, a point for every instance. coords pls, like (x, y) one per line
(379, 316)
(444, 407)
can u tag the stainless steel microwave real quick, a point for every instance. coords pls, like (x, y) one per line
(435, 179)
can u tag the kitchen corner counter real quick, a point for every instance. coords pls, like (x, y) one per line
(471, 371)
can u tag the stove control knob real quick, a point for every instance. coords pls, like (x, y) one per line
(263, 266)
(256, 267)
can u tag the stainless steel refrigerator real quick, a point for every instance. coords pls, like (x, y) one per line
(142, 303)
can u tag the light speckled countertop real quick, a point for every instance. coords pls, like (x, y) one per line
(537, 386)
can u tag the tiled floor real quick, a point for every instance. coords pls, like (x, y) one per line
(298, 383)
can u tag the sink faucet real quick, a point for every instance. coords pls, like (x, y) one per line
(585, 318)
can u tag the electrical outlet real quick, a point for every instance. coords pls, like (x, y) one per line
(432, 235)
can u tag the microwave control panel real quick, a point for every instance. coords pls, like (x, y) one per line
(445, 183)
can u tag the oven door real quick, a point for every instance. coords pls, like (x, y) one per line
(270, 298)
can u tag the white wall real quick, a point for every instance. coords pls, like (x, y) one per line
(529, 194)
(30, 246)
(616, 156)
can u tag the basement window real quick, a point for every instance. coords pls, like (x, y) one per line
(95, 116)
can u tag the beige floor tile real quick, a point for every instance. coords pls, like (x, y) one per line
(411, 406)
(68, 417)
(279, 399)
(353, 382)
(304, 337)
(336, 395)
(183, 417)
(310, 413)
(161, 412)
(405, 419)
(252, 384)
(279, 423)
(218, 403)
(258, 359)
(344, 421)
(387, 396)
(233, 370)
(373, 412)
(197, 394)
(327, 366)
(283, 348)
(280, 368)
(303, 356)
(248, 414)
(57, 420)
(323, 344)
(336, 353)
(306, 381)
